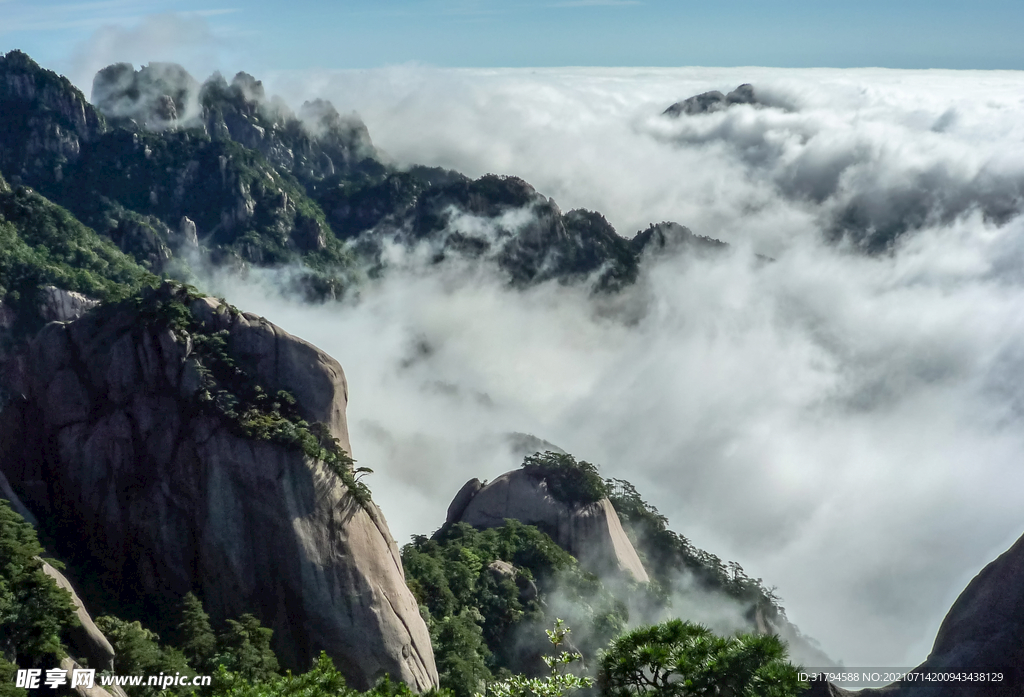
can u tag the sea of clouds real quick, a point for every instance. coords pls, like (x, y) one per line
(849, 427)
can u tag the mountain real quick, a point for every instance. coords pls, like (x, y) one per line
(165, 165)
(709, 102)
(554, 540)
(148, 417)
(165, 443)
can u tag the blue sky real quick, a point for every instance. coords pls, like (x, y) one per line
(300, 34)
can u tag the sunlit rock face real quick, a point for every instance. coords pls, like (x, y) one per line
(150, 497)
(591, 533)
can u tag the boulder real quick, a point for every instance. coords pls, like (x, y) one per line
(458, 505)
(158, 496)
(60, 305)
(591, 533)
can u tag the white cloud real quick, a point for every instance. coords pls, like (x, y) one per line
(185, 38)
(848, 428)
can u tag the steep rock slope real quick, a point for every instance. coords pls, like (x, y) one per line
(154, 480)
(983, 632)
(985, 627)
(591, 533)
(45, 122)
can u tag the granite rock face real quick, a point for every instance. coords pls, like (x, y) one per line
(60, 305)
(591, 533)
(107, 444)
(47, 120)
(87, 641)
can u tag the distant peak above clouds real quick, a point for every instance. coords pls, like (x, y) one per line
(708, 102)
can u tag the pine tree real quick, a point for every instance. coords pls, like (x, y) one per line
(198, 642)
(245, 649)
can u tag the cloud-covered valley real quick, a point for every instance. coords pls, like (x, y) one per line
(847, 425)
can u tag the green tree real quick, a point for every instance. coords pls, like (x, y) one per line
(461, 653)
(8, 674)
(559, 683)
(571, 482)
(34, 611)
(322, 680)
(138, 652)
(682, 659)
(198, 642)
(244, 649)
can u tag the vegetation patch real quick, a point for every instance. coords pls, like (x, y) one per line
(34, 611)
(571, 482)
(667, 555)
(483, 624)
(43, 244)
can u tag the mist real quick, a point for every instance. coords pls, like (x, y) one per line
(847, 426)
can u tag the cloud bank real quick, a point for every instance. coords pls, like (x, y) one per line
(846, 426)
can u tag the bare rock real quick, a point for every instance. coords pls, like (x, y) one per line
(502, 569)
(284, 362)
(591, 533)
(70, 665)
(462, 499)
(187, 230)
(163, 497)
(60, 305)
(87, 641)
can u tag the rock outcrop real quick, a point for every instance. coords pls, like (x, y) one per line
(59, 305)
(982, 633)
(69, 665)
(112, 448)
(591, 533)
(985, 627)
(668, 237)
(46, 120)
(87, 641)
(709, 102)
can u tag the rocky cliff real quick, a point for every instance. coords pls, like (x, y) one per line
(173, 444)
(982, 633)
(591, 533)
(45, 121)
